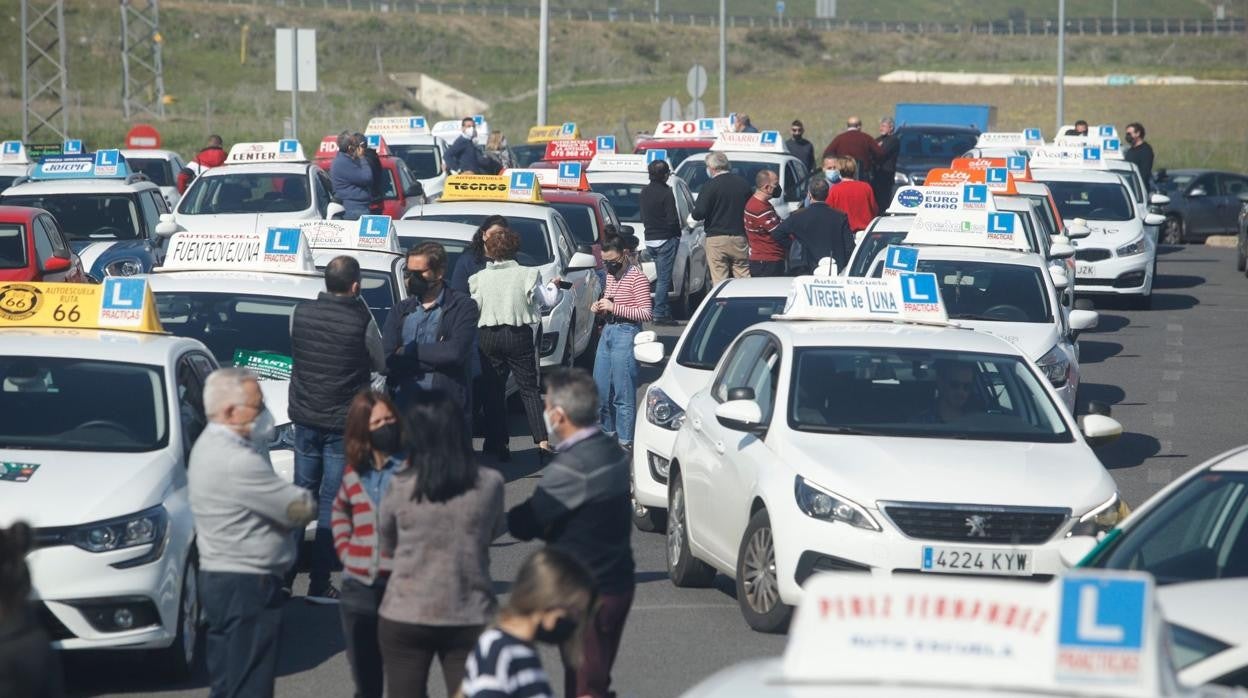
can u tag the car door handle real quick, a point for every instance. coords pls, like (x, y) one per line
(719, 447)
(697, 423)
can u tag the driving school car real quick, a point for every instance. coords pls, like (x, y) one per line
(399, 188)
(747, 154)
(860, 432)
(681, 139)
(410, 140)
(14, 163)
(534, 148)
(101, 410)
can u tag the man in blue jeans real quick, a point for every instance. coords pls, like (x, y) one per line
(625, 305)
(335, 345)
(662, 226)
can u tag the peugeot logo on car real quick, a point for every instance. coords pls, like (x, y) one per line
(978, 525)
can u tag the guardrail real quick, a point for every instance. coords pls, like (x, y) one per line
(1095, 26)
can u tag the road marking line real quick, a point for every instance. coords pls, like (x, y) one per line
(1168, 396)
(1163, 419)
(1173, 358)
(1174, 327)
(1160, 476)
(1171, 375)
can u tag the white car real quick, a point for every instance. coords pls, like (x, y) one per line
(410, 140)
(14, 163)
(733, 307)
(885, 442)
(100, 416)
(1119, 257)
(621, 178)
(161, 167)
(260, 185)
(1209, 640)
(383, 265)
(545, 243)
(747, 154)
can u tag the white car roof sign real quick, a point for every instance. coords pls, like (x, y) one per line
(1077, 157)
(450, 128)
(964, 197)
(1034, 136)
(280, 249)
(568, 175)
(993, 229)
(762, 142)
(369, 233)
(620, 162)
(397, 126)
(1087, 633)
(677, 130)
(906, 297)
(13, 153)
(285, 150)
(1011, 139)
(102, 164)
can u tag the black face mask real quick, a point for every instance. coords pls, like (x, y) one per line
(777, 192)
(614, 267)
(417, 285)
(387, 438)
(561, 633)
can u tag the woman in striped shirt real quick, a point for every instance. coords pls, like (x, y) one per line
(372, 439)
(624, 306)
(549, 603)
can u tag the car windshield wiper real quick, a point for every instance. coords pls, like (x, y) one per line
(973, 316)
(848, 431)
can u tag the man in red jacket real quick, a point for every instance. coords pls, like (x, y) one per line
(853, 143)
(213, 155)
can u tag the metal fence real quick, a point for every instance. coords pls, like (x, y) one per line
(1095, 26)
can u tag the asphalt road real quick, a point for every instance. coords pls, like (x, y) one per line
(1174, 376)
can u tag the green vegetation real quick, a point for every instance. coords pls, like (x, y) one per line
(612, 77)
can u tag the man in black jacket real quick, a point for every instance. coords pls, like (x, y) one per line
(821, 230)
(886, 169)
(721, 203)
(662, 226)
(1141, 152)
(581, 505)
(334, 347)
(428, 338)
(798, 146)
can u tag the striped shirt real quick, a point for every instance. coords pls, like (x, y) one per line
(630, 294)
(354, 525)
(504, 666)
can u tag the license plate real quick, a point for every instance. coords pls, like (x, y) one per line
(976, 560)
(1084, 270)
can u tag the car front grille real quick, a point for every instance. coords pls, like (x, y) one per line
(1092, 254)
(976, 523)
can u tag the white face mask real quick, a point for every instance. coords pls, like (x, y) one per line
(470, 132)
(263, 428)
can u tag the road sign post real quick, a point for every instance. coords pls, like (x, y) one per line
(295, 50)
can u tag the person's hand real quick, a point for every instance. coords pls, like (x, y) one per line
(555, 281)
(607, 305)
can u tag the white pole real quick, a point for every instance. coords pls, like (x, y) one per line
(723, 58)
(1061, 64)
(294, 83)
(1115, 17)
(543, 43)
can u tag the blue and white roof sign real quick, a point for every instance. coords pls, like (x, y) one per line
(569, 175)
(121, 303)
(369, 233)
(107, 163)
(991, 229)
(281, 249)
(656, 154)
(625, 162)
(975, 197)
(285, 150)
(72, 147)
(764, 142)
(1016, 163)
(604, 144)
(767, 138)
(374, 140)
(996, 175)
(521, 185)
(912, 200)
(568, 128)
(900, 258)
(905, 297)
(1033, 135)
(13, 153)
(103, 164)
(1091, 153)
(397, 126)
(1107, 131)
(1102, 628)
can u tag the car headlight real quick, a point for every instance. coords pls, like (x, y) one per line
(662, 411)
(1102, 518)
(144, 528)
(1132, 248)
(901, 179)
(283, 438)
(1055, 366)
(123, 267)
(820, 504)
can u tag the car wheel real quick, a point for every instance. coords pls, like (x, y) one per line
(178, 660)
(758, 587)
(646, 519)
(1241, 259)
(684, 569)
(1172, 230)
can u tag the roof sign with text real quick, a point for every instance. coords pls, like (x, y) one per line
(579, 149)
(621, 162)
(704, 129)
(519, 186)
(568, 175)
(762, 142)
(398, 126)
(912, 200)
(368, 234)
(1079, 635)
(285, 150)
(906, 297)
(1002, 139)
(119, 303)
(102, 164)
(993, 229)
(1072, 157)
(13, 153)
(952, 177)
(280, 249)
(558, 132)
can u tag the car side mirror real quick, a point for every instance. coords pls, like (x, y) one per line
(1158, 199)
(647, 349)
(739, 412)
(581, 262)
(1060, 251)
(1074, 549)
(56, 265)
(1154, 219)
(1060, 280)
(335, 211)
(1197, 192)
(1077, 230)
(166, 228)
(586, 248)
(1099, 430)
(1081, 320)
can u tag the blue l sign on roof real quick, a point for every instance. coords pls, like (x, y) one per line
(769, 137)
(374, 226)
(374, 140)
(569, 170)
(975, 193)
(902, 258)
(416, 123)
(1001, 223)
(287, 145)
(72, 147)
(1102, 613)
(12, 147)
(106, 158)
(282, 241)
(656, 154)
(919, 289)
(1016, 163)
(1091, 153)
(121, 293)
(996, 175)
(605, 144)
(1032, 134)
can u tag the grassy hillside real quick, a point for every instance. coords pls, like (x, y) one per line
(612, 77)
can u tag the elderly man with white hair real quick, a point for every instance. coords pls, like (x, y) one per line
(244, 514)
(721, 204)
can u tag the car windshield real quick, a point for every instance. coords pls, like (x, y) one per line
(527, 154)
(229, 322)
(872, 244)
(580, 218)
(920, 393)
(12, 246)
(1093, 201)
(422, 160)
(454, 248)
(1174, 181)
(75, 404)
(624, 198)
(1198, 533)
(1188, 646)
(6, 181)
(720, 323)
(918, 147)
(247, 192)
(87, 216)
(534, 238)
(694, 171)
(988, 291)
(1040, 204)
(158, 170)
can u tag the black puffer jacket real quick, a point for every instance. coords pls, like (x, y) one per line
(331, 362)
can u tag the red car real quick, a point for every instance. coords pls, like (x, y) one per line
(587, 213)
(677, 148)
(402, 189)
(33, 248)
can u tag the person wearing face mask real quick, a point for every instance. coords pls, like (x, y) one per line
(429, 336)
(245, 515)
(374, 446)
(624, 306)
(1140, 153)
(549, 601)
(581, 506)
(766, 257)
(463, 156)
(852, 196)
(335, 348)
